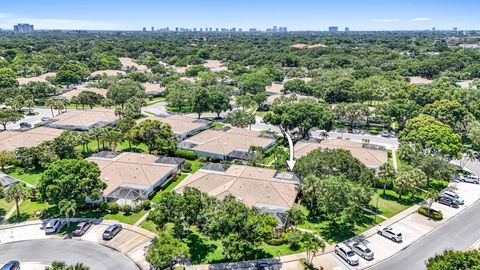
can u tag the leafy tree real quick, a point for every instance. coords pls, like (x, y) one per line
(68, 209)
(103, 61)
(7, 78)
(351, 112)
(452, 259)
(431, 136)
(409, 180)
(255, 155)
(194, 70)
(201, 101)
(9, 116)
(17, 192)
(120, 92)
(179, 93)
(244, 101)
(474, 132)
(297, 86)
(64, 145)
(72, 72)
(254, 82)
(449, 112)
(399, 109)
(157, 136)
(6, 158)
(386, 173)
(125, 125)
(40, 89)
(240, 119)
(164, 249)
(58, 265)
(219, 102)
(89, 98)
(72, 180)
(295, 216)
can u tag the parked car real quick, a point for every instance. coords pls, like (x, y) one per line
(111, 231)
(361, 250)
(82, 227)
(386, 134)
(390, 233)
(263, 265)
(11, 265)
(447, 201)
(52, 226)
(452, 195)
(470, 179)
(45, 119)
(25, 125)
(347, 254)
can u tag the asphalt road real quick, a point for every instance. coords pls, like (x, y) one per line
(459, 233)
(94, 256)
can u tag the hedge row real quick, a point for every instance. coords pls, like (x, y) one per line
(433, 214)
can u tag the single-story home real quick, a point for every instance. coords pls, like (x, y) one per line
(6, 180)
(11, 140)
(417, 80)
(108, 72)
(266, 189)
(232, 144)
(153, 88)
(183, 126)
(373, 156)
(75, 92)
(215, 65)
(128, 63)
(84, 119)
(41, 78)
(133, 176)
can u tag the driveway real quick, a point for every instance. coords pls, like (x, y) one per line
(33, 119)
(44, 251)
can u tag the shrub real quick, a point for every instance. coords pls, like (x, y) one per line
(104, 205)
(147, 204)
(127, 209)
(186, 154)
(203, 159)
(433, 214)
(276, 241)
(373, 132)
(113, 207)
(187, 167)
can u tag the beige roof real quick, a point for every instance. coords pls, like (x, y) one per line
(76, 92)
(179, 69)
(306, 46)
(275, 88)
(215, 65)
(129, 62)
(108, 72)
(188, 79)
(253, 186)
(417, 80)
(224, 142)
(131, 169)
(271, 99)
(85, 118)
(41, 78)
(153, 87)
(305, 79)
(11, 140)
(467, 84)
(371, 158)
(180, 124)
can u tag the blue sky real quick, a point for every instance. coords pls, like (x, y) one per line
(295, 14)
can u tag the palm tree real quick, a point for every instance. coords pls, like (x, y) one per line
(309, 187)
(431, 196)
(17, 193)
(58, 265)
(386, 172)
(97, 133)
(84, 138)
(59, 105)
(313, 244)
(68, 209)
(409, 179)
(74, 100)
(29, 104)
(112, 137)
(50, 103)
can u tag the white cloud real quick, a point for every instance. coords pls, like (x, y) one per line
(386, 20)
(420, 19)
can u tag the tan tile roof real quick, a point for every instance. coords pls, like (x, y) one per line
(371, 158)
(188, 79)
(223, 143)
(417, 80)
(275, 88)
(76, 92)
(108, 72)
(153, 87)
(41, 78)
(466, 84)
(85, 118)
(306, 46)
(179, 69)
(130, 169)
(129, 62)
(180, 124)
(215, 65)
(251, 185)
(11, 140)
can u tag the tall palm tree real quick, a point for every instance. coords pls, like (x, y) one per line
(29, 104)
(97, 134)
(50, 103)
(309, 187)
(17, 193)
(112, 137)
(386, 172)
(84, 138)
(68, 209)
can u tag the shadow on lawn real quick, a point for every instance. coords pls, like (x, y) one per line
(199, 249)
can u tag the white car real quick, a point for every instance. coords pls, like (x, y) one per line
(390, 233)
(452, 195)
(470, 179)
(52, 226)
(347, 254)
(362, 250)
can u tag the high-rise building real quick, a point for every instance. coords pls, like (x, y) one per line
(282, 29)
(333, 29)
(274, 29)
(153, 29)
(347, 29)
(433, 29)
(455, 29)
(23, 28)
(252, 30)
(144, 29)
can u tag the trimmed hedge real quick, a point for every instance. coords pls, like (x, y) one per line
(186, 154)
(433, 214)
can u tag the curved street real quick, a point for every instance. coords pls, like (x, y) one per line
(45, 251)
(460, 233)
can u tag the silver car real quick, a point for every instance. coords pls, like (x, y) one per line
(362, 250)
(52, 226)
(390, 233)
(346, 253)
(452, 195)
(470, 179)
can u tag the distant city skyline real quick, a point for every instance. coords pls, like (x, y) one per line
(245, 14)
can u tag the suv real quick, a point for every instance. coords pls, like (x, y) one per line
(347, 254)
(362, 250)
(390, 233)
(52, 226)
(470, 179)
(11, 265)
(25, 125)
(452, 195)
(111, 231)
(82, 227)
(262, 265)
(447, 201)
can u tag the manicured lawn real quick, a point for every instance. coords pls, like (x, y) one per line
(29, 210)
(31, 177)
(261, 113)
(196, 165)
(128, 219)
(217, 125)
(168, 186)
(5, 207)
(185, 109)
(123, 147)
(149, 225)
(389, 204)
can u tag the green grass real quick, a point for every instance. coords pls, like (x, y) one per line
(149, 225)
(186, 109)
(167, 187)
(28, 211)
(5, 207)
(261, 113)
(31, 177)
(154, 100)
(123, 147)
(217, 125)
(389, 204)
(196, 165)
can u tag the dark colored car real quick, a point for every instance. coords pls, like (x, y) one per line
(448, 201)
(111, 231)
(82, 227)
(25, 125)
(11, 265)
(263, 265)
